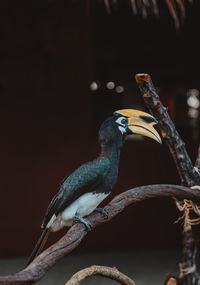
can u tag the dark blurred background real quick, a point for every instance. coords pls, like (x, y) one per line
(64, 67)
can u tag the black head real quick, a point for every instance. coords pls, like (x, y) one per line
(114, 129)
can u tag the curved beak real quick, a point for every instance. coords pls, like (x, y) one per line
(141, 123)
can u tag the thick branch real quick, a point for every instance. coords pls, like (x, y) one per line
(37, 269)
(188, 175)
(110, 272)
(187, 172)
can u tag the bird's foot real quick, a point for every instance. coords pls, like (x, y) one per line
(102, 211)
(87, 224)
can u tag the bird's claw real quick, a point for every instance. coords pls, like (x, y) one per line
(103, 211)
(87, 224)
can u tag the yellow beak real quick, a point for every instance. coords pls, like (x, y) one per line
(141, 123)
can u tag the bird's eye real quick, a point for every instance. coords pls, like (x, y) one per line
(124, 121)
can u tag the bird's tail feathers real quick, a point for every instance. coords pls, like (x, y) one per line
(39, 245)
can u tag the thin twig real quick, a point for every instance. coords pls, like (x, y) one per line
(38, 268)
(110, 272)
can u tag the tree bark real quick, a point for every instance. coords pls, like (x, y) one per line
(188, 175)
(38, 268)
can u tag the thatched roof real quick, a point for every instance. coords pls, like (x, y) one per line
(177, 8)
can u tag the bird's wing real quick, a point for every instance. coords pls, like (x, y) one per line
(85, 179)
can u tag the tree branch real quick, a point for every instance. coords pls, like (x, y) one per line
(37, 269)
(110, 272)
(189, 176)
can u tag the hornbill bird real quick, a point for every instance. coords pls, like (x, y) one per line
(85, 188)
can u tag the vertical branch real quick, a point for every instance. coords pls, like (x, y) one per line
(187, 267)
(188, 175)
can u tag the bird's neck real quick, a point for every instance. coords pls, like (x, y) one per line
(111, 151)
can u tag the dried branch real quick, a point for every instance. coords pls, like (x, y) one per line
(189, 176)
(37, 269)
(110, 272)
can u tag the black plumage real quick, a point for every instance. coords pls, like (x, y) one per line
(97, 176)
(86, 187)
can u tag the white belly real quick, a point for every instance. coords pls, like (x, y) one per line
(81, 207)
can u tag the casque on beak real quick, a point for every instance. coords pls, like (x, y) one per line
(141, 123)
